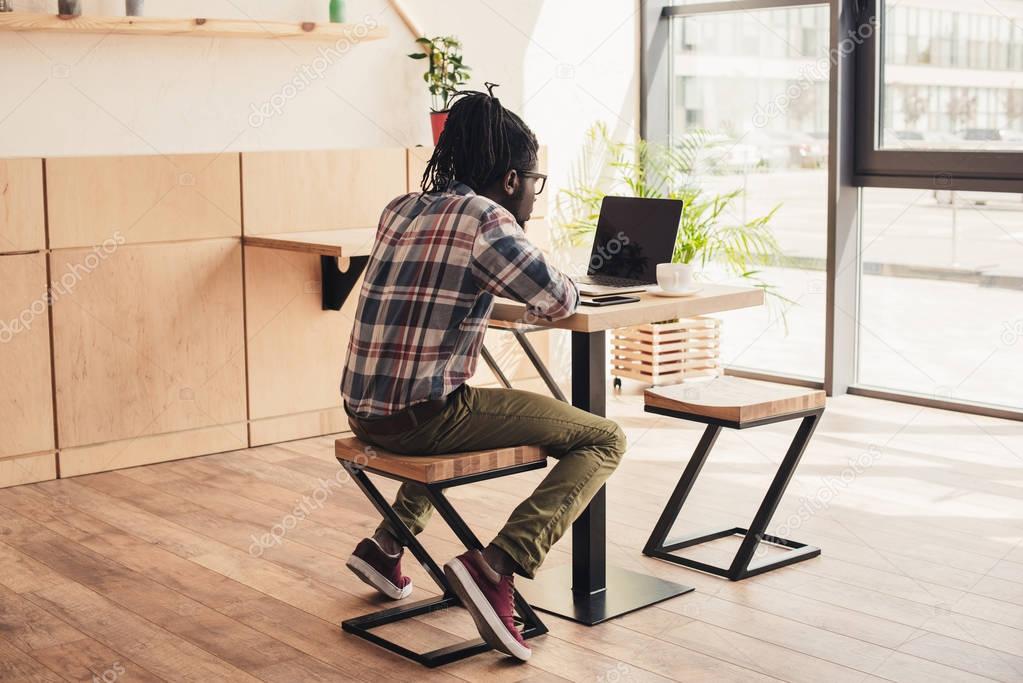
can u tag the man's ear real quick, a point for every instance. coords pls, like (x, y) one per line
(510, 183)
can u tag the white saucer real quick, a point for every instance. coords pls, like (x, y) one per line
(657, 291)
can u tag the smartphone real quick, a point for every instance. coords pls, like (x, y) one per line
(609, 300)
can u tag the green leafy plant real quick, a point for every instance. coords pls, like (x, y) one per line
(446, 72)
(708, 232)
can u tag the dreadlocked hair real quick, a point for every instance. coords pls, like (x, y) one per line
(481, 142)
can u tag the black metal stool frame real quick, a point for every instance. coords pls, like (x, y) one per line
(363, 626)
(742, 566)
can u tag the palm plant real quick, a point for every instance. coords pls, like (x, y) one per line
(708, 231)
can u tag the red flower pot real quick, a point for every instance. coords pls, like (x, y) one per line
(437, 121)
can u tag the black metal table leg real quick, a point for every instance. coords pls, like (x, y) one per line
(534, 358)
(589, 592)
(491, 362)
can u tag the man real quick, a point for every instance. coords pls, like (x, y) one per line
(440, 258)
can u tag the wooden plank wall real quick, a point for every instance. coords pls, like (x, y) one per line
(27, 447)
(148, 334)
(166, 338)
(296, 351)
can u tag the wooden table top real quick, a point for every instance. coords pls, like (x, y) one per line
(649, 309)
(338, 243)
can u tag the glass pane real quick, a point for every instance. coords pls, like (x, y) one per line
(953, 78)
(941, 299)
(753, 86)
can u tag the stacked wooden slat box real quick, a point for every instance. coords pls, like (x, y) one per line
(667, 352)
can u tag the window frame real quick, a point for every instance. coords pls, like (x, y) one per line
(914, 169)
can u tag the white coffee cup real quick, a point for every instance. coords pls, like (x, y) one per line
(675, 277)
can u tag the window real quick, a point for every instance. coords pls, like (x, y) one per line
(922, 299)
(755, 84)
(946, 96)
(940, 309)
(941, 295)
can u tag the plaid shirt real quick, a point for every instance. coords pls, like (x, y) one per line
(438, 262)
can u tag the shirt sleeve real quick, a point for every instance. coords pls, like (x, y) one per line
(506, 264)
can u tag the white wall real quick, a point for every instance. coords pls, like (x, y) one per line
(561, 63)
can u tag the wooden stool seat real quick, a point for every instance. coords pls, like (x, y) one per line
(428, 469)
(734, 399)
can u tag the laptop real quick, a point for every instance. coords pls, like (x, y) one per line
(633, 235)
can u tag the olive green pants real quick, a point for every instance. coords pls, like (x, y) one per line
(588, 449)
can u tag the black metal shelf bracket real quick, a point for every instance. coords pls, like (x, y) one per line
(337, 283)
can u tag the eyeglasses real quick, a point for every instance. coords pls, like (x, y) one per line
(541, 179)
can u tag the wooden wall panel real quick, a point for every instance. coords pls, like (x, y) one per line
(28, 469)
(419, 157)
(21, 205)
(298, 426)
(319, 190)
(26, 403)
(144, 198)
(149, 341)
(296, 349)
(146, 450)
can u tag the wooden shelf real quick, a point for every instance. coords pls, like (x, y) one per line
(337, 243)
(209, 28)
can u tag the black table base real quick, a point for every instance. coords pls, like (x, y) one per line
(625, 591)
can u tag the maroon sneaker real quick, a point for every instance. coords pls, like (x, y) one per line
(382, 571)
(490, 599)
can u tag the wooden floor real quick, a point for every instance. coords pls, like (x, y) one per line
(230, 567)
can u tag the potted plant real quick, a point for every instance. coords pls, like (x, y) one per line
(708, 232)
(445, 74)
(69, 8)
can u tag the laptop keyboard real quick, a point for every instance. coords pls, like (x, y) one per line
(608, 281)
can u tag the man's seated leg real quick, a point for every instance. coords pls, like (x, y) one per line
(377, 560)
(588, 447)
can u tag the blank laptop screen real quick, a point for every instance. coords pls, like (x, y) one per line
(633, 236)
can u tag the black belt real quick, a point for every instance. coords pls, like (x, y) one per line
(403, 420)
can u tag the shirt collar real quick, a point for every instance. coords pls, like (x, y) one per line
(460, 188)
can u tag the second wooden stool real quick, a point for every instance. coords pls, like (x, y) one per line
(737, 404)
